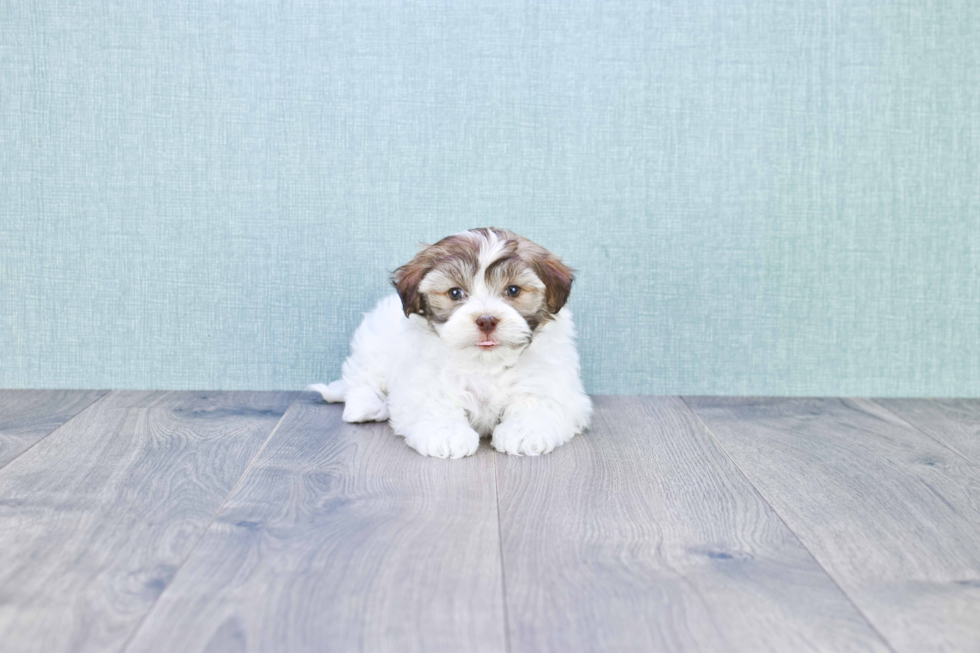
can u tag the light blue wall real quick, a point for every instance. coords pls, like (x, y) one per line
(762, 197)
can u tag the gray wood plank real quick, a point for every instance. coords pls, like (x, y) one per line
(341, 538)
(893, 516)
(27, 416)
(643, 536)
(954, 422)
(97, 516)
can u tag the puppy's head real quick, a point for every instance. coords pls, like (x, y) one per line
(484, 291)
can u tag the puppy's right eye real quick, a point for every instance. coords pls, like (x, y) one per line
(456, 293)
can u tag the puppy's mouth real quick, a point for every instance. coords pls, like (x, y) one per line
(487, 345)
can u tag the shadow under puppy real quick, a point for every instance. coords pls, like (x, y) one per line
(475, 343)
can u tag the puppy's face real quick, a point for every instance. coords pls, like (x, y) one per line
(484, 291)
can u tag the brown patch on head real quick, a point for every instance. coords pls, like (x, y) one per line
(455, 255)
(406, 280)
(544, 281)
(512, 270)
(556, 276)
(506, 264)
(424, 283)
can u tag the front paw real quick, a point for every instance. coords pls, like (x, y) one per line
(444, 440)
(523, 437)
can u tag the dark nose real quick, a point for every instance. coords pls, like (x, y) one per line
(487, 323)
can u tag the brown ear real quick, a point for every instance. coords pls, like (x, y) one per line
(557, 278)
(406, 280)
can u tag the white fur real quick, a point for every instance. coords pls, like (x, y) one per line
(442, 393)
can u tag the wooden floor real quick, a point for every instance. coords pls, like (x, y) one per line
(259, 521)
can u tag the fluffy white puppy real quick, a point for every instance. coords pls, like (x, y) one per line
(475, 343)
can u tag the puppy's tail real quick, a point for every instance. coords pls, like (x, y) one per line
(334, 393)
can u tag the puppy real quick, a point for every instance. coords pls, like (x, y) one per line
(475, 343)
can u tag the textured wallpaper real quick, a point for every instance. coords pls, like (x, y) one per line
(760, 197)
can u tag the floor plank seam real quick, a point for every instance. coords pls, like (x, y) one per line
(190, 552)
(102, 396)
(500, 547)
(915, 428)
(850, 600)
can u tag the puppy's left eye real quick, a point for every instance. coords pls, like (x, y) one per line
(512, 291)
(456, 293)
